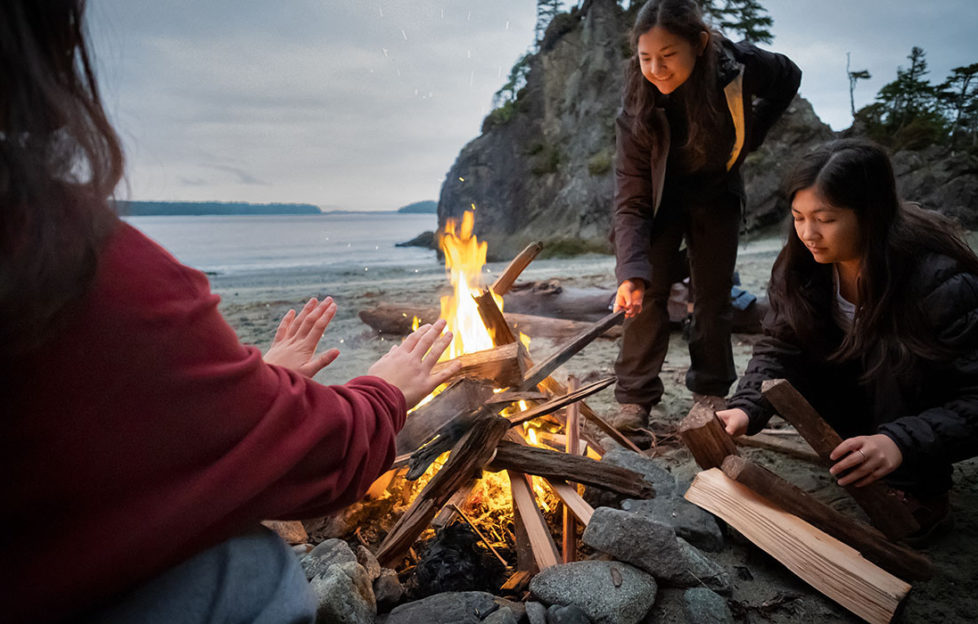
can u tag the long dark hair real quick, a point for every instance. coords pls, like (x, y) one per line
(60, 160)
(700, 92)
(856, 174)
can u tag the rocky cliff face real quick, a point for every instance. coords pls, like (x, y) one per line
(548, 173)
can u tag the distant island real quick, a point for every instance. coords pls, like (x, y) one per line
(421, 207)
(166, 208)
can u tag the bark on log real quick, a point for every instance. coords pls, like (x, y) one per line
(884, 510)
(541, 371)
(705, 437)
(828, 565)
(465, 463)
(504, 366)
(556, 465)
(460, 397)
(898, 560)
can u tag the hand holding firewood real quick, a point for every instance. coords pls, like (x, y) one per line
(408, 365)
(298, 335)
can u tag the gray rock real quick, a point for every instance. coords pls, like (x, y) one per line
(693, 524)
(368, 561)
(706, 607)
(446, 608)
(387, 590)
(608, 592)
(536, 613)
(661, 479)
(330, 552)
(566, 614)
(653, 546)
(344, 595)
(504, 615)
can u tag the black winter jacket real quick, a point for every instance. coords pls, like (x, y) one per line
(930, 413)
(758, 87)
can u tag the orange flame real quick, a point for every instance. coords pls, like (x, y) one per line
(465, 257)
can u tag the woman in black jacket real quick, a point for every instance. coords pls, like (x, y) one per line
(874, 319)
(694, 105)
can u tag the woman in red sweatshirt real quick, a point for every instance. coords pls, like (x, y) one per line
(140, 442)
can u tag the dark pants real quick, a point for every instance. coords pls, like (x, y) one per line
(711, 230)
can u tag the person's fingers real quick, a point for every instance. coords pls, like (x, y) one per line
(300, 319)
(437, 348)
(311, 319)
(326, 358)
(428, 339)
(874, 476)
(412, 340)
(442, 376)
(844, 448)
(320, 319)
(283, 326)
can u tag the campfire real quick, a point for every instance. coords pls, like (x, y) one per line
(501, 445)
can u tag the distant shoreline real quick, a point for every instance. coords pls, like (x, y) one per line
(187, 209)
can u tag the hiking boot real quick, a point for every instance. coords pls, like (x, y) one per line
(714, 402)
(630, 416)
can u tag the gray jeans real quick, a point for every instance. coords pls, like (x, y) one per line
(253, 578)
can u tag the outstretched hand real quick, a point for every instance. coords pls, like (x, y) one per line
(629, 297)
(408, 365)
(864, 459)
(297, 337)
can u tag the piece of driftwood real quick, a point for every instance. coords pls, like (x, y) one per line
(397, 320)
(465, 463)
(703, 433)
(549, 298)
(541, 541)
(899, 560)
(573, 501)
(504, 365)
(516, 266)
(885, 511)
(792, 445)
(556, 465)
(828, 565)
(444, 440)
(555, 404)
(459, 397)
(568, 350)
(513, 396)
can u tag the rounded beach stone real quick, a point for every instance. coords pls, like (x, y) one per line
(608, 592)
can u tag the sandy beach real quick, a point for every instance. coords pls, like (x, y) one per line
(764, 591)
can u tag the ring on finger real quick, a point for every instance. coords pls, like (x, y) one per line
(861, 454)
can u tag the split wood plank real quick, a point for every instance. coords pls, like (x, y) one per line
(541, 371)
(573, 501)
(465, 463)
(525, 560)
(898, 560)
(517, 582)
(569, 523)
(704, 435)
(514, 396)
(444, 517)
(541, 541)
(492, 317)
(553, 405)
(828, 565)
(516, 266)
(459, 397)
(556, 465)
(504, 365)
(884, 510)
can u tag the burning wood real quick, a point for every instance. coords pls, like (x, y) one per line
(504, 366)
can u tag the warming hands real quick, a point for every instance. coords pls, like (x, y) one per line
(866, 458)
(297, 337)
(408, 365)
(629, 297)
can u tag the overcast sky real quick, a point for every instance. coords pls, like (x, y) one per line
(365, 104)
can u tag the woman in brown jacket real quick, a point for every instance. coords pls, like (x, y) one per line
(694, 105)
